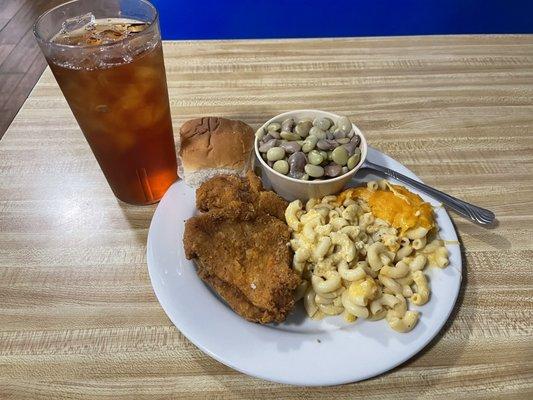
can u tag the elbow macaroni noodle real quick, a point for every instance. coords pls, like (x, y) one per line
(358, 266)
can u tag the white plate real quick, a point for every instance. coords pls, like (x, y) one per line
(299, 351)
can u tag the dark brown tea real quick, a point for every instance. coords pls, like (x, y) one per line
(113, 77)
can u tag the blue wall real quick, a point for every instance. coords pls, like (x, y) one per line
(228, 19)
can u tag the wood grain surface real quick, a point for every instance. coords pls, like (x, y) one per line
(78, 317)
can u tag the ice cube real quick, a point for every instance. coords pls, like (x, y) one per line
(85, 21)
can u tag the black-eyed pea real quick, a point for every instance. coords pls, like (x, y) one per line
(340, 155)
(281, 166)
(275, 154)
(315, 171)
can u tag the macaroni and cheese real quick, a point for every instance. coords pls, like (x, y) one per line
(362, 254)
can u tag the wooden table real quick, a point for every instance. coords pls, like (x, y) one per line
(78, 317)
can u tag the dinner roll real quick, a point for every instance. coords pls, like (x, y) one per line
(211, 146)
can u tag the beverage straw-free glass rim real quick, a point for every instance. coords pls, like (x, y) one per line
(70, 46)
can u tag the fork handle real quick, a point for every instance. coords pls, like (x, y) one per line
(477, 214)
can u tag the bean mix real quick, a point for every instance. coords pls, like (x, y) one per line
(310, 149)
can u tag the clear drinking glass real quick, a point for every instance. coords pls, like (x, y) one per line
(107, 58)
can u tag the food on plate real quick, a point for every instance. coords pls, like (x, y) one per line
(310, 149)
(240, 195)
(239, 244)
(211, 146)
(362, 253)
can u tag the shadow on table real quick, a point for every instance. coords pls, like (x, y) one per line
(138, 218)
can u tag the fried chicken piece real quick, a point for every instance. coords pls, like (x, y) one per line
(240, 246)
(229, 191)
(247, 260)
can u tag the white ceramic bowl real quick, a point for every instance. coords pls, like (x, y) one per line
(291, 188)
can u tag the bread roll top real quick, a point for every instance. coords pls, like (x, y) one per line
(212, 142)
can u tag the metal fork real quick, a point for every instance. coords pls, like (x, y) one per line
(477, 214)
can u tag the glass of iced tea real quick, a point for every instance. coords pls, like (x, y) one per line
(107, 58)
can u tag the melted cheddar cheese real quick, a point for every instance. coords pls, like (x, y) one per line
(398, 206)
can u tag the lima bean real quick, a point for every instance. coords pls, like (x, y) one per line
(274, 134)
(316, 171)
(344, 124)
(290, 147)
(322, 123)
(315, 157)
(297, 162)
(309, 144)
(339, 134)
(340, 155)
(354, 159)
(289, 135)
(260, 134)
(332, 170)
(317, 132)
(268, 145)
(275, 153)
(302, 128)
(287, 124)
(274, 126)
(343, 140)
(325, 144)
(267, 137)
(281, 166)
